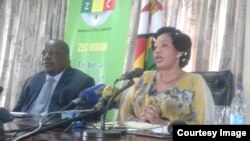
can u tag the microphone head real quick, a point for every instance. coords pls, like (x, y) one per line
(89, 97)
(108, 91)
(135, 73)
(138, 72)
(131, 75)
(5, 115)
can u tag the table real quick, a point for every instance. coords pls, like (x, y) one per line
(58, 134)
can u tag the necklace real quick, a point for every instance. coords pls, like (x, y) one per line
(172, 80)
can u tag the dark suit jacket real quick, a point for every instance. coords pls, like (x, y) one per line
(71, 83)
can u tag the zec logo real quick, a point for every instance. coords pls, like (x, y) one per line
(96, 12)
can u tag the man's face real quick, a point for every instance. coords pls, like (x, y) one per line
(54, 59)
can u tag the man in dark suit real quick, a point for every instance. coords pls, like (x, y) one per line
(66, 86)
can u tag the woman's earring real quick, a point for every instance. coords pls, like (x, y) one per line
(179, 54)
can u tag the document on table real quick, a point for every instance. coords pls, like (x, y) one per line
(133, 126)
(147, 129)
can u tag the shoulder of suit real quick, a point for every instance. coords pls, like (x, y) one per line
(38, 75)
(77, 72)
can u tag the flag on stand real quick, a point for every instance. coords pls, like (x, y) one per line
(151, 19)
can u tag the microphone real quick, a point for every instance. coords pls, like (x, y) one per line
(111, 132)
(131, 75)
(108, 91)
(87, 98)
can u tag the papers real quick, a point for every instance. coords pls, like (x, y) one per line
(147, 129)
(134, 126)
(140, 125)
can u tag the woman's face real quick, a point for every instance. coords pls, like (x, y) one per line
(165, 54)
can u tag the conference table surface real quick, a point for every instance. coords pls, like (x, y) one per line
(59, 134)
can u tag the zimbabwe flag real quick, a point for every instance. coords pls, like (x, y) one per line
(151, 19)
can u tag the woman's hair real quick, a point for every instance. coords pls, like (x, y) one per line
(181, 42)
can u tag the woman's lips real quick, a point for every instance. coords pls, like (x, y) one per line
(158, 59)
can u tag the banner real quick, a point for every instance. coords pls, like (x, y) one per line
(151, 19)
(97, 33)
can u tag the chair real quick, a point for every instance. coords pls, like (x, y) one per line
(221, 86)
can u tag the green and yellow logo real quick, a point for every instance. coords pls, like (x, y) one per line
(96, 12)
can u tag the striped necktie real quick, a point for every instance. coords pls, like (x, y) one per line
(48, 89)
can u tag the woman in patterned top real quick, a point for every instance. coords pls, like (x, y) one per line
(169, 93)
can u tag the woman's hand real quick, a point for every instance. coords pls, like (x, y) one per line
(151, 114)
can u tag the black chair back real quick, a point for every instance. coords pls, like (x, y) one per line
(221, 85)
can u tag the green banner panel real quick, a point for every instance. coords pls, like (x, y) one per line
(97, 33)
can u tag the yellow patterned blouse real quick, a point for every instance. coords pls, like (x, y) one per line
(190, 100)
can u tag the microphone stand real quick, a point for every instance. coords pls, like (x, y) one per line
(111, 132)
(52, 126)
